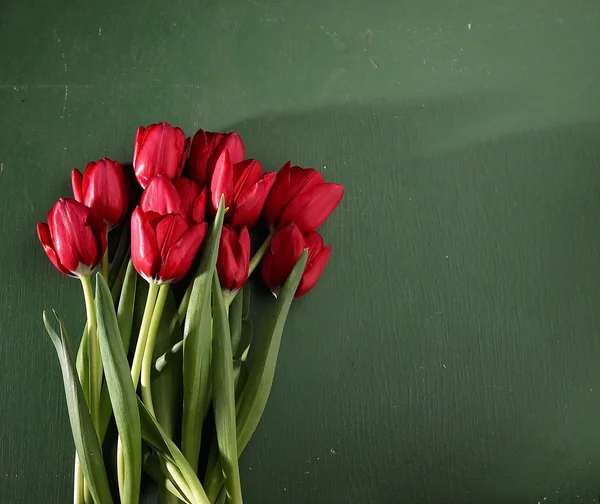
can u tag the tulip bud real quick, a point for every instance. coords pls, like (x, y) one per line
(74, 238)
(300, 195)
(284, 251)
(160, 149)
(182, 197)
(234, 258)
(206, 149)
(163, 247)
(245, 189)
(103, 189)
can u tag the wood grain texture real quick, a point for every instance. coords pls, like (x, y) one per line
(450, 350)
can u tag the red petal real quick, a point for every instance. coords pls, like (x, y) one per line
(198, 157)
(139, 135)
(243, 258)
(233, 143)
(43, 232)
(277, 199)
(169, 229)
(74, 240)
(303, 179)
(181, 254)
(144, 248)
(313, 271)
(105, 191)
(199, 210)
(267, 272)
(189, 192)
(161, 196)
(76, 182)
(226, 263)
(245, 175)
(286, 247)
(311, 208)
(222, 181)
(250, 204)
(314, 244)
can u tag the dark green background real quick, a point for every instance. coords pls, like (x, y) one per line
(450, 353)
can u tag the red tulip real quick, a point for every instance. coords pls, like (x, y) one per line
(206, 148)
(300, 195)
(163, 247)
(283, 254)
(74, 239)
(182, 197)
(160, 149)
(245, 189)
(102, 188)
(234, 258)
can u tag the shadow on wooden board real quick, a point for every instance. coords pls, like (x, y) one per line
(450, 352)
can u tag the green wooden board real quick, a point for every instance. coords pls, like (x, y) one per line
(450, 352)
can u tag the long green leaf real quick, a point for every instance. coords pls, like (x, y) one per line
(121, 392)
(86, 441)
(197, 346)
(224, 395)
(156, 437)
(235, 320)
(258, 387)
(125, 317)
(253, 399)
(127, 304)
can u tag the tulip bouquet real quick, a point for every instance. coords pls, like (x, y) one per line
(165, 348)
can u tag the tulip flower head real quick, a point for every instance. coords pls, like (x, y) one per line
(206, 149)
(245, 189)
(160, 149)
(163, 247)
(234, 258)
(103, 189)
(302, 196)
(74, 239)
(284, 251)
(182, 197)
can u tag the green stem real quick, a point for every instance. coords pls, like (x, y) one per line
(149, 350)
(260, 253)
(136, 365)
(104, 265)
(78, 484)
(95, 360)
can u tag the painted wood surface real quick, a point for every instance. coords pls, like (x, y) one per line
(450, 352)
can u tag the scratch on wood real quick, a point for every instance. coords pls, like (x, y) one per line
(374, 63)
(1, 167)
(22, 87)
(65, 102)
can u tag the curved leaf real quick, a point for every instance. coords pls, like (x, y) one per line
(121, 391)
(197, 346)
(224, 395)
(86, 441)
